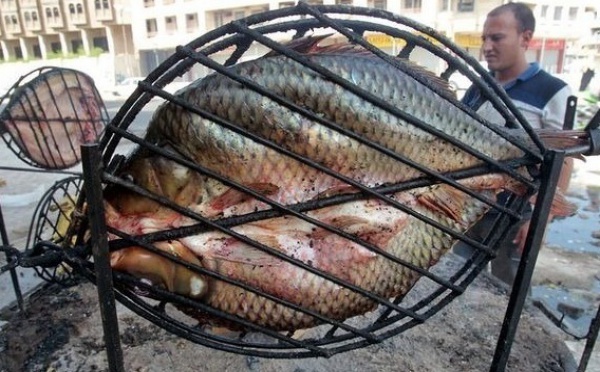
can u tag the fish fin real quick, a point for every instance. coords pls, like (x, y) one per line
(233, 196)
(446, 200)
(430, 76)
(560, 206)
(341, 222)
(304, 45)
(376, 233)
(240, 252)
(336, 190)
(564, 139)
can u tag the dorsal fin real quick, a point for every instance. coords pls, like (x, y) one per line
(310, 45)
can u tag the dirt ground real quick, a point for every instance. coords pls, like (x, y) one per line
(61, 330)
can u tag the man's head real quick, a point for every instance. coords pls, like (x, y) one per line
(507, 31)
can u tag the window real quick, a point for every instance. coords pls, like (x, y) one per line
(412, 4)
(27, 17)
(18, 52)
(171, 24)
(377, 4)
(56, 13)
(343, 2)
(77, 45)
(14, 20)
(34, 16)
(445, 5)
(48, 13)
(72, 8)
(79, 9)
(97, 5)
(239, 14)
(191, 22)
(37, 52)
(151, 27)
(466, 5)
(286, 4)
(56, 47)
(573, 13)
(148, 3)
(222, 17)
(100, 42)
(558, 13)
(544, 12)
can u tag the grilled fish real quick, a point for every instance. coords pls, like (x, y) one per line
(280, 176)
(50, 116)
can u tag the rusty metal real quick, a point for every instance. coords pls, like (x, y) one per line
(104, 280)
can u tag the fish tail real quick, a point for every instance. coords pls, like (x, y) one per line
(561, 207)
(563, 139)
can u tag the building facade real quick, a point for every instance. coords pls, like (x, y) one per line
(137, 35)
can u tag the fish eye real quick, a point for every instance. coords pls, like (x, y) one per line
(128, 177)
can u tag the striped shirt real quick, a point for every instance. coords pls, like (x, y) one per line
(539, 96)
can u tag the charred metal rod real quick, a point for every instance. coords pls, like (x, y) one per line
(13, 271)
(592, 336)
(551, 167)
(93, 187)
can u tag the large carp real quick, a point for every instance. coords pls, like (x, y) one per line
(286, 180)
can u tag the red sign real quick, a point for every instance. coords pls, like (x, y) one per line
(548, 44)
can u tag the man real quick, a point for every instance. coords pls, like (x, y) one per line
(541, 98)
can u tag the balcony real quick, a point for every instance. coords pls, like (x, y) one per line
(102, 11)
(77, 15)
(11, 23)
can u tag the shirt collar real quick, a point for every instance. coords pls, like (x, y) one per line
(530, 72)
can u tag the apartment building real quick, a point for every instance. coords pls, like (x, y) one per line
(139, 34)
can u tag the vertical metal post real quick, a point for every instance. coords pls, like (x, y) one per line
(550, 169)
(13, 271)
(92, 164)
(592, 336)
(569, 120)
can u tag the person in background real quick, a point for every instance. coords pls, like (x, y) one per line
(540, 97)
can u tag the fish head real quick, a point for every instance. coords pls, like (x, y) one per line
(161, 270)
(158, 175)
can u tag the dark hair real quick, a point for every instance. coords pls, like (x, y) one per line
(522, 13)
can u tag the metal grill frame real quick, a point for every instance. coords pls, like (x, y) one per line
(40, 76)
(241, 34)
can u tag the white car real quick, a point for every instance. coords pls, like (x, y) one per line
(127, 86)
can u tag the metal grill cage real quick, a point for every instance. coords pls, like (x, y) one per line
(268, 31)
(49, 113)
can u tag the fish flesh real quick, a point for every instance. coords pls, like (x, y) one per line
(52, 115)
(282, 178)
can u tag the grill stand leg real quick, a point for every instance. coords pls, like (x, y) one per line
(13, 271)
(592, 336)
(91, 163)
(550, 169)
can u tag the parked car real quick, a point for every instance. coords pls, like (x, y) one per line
(127, 86)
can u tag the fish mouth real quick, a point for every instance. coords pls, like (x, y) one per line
(162, 271)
